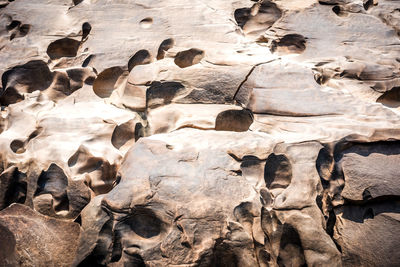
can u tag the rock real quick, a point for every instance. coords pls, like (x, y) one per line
(95, 226)
(34, 239)
(377, 165)
(199, 133)
(359, 228)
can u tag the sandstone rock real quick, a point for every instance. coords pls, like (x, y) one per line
(377, 165)
(359, 228)
(31, 239)
(199, 133)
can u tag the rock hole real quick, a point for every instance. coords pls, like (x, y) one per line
(139, 131)
(237, 172)
(162, 93)
(224, 255)
(86, 28)
(366, 195)
(326, 3)
(14, 24)
(266, 197)
(4, 4)
(77, 2)
(290, 43)
(35, 133)
(336, 10)
(34, 75)
(164, 47)
(321, 78)
(244, 212)
(87, 61)
(145, 223)
(141, 57)
(186, 244)
(277, 172)
(65, 47)
(10, 96)
(258, 18)
(17, 146)
(105, 83)
(325, 166)
(234, 120)
(242, 15)
(189, 57)
(79, 76)
(367, 4)
(53, 181)
(123, 133)
(14, 187)
(146, 23)
(390, 98)
(24, 30)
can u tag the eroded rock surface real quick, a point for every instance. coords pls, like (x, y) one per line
(199, 133)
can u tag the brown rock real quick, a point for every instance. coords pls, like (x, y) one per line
(31, 239)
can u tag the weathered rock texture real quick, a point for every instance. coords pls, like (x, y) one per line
(200, 133)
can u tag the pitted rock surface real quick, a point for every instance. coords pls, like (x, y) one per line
(199, 133)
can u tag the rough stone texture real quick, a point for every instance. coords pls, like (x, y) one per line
(199, 133)
(31, 239)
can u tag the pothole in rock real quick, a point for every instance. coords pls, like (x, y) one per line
(258, 18)
(234, 120)
(278, 172)
(368, 4)
(189, 57)
(86, 29)
(53, 181)
(14, 187)
(104, 84)
(13, 24)
(125, 134)
(289, 44)
(17, 146)
(141, 57)
(390, 98)
(146, 23)
(65, 47)
(88, 60)
(145, 223)
(26, 78)
(77, 2)
(164, 47)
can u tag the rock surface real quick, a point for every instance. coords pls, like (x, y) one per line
(200, 133)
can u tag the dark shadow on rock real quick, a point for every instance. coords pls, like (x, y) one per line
(277, 172)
